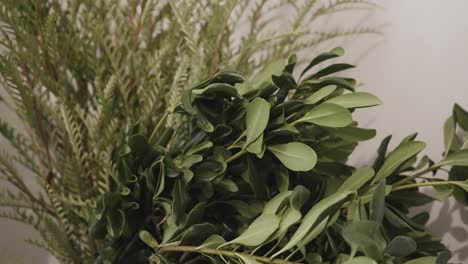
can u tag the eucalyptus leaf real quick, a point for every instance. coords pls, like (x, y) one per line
(247, 259)
(258, 112)
(299, 197)
(459, 158)
(258, 231)
(213, 241)
(449, 134)
(320, 94)
(315, 216)
(401, 246)
(295, 156)
(377, 206)
(356, 100)
(327, 115)
(353, 134)
(357, 179)
(461, 116)
(399, 155)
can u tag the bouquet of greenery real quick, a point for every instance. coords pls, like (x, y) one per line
(149, 150)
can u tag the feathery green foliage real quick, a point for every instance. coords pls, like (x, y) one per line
(79, 73)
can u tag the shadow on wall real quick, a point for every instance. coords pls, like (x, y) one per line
(449, 228)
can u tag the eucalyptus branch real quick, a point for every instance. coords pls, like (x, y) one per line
(416, 175)
(422, 184)
(219, 252)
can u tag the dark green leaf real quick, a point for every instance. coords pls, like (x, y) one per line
(401, 246)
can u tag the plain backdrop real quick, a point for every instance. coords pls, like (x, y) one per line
(418, 67)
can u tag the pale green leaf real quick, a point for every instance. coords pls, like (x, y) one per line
(459, 158)
(258, 231)
(320, 94)
(258, 112)
(353, 134)
(399, 155)
(247, 259)
(327, 115)
(274, 204)
(315, 216)
(295, 156)
(356, 100)
(213, 241)
(357, 179)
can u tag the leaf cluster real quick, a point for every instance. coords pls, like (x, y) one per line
(263, 178)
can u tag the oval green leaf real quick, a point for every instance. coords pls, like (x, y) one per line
(356, 100)
(295, 156)
(399, 155)
(327, 115)
(258, 112)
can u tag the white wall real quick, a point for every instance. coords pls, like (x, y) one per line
(419, 69)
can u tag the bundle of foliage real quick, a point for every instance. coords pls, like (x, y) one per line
(76, 74)
(263, 179)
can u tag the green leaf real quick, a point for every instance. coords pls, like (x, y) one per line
(401, 246)
(258, 231)
(247, 259)
(357, 179)
(187, 102)
(220, 89)
(399, 155)
(229, 185)
(299, 197)
(459, 158)
(213, 241)
(257, 146)
(361, 260)
(320, 94)
(264, 76)
(443, 192)
(200, 147)
(327, 115)
(336, 52)
(353, 134)
(295, 156)
(381, 153)
(461, 116)
(423, 260)
(197, 233)
(258, 112)
(377, 206)
(275, 203)
(337, 67)
(356, 100)
(289, 218)
(366, 235)
(149, 240)
(315, 216)
(461, 184)
(449, 134)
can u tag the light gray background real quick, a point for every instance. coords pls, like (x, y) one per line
(418, 68)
